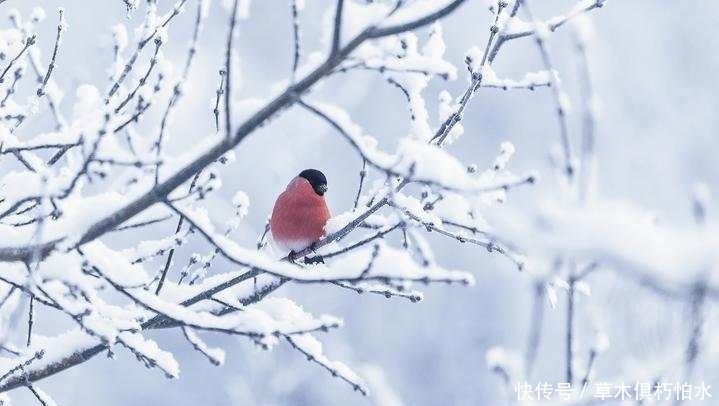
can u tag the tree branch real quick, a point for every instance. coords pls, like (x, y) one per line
(279, 103)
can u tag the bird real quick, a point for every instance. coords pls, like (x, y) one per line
(300, 213)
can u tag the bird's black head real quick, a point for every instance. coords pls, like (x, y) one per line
(317, 179)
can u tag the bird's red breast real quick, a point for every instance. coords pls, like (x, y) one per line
(299, 216)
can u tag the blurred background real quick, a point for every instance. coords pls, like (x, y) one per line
(654, 65)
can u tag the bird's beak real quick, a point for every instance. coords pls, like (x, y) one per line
(321, 189)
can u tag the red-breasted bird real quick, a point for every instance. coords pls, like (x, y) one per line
(300, 213)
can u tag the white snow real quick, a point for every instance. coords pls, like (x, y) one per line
(312, 348)
(617, 234)
(530, 79)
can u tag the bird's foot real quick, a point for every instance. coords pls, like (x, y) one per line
(317, 259)
(292, 256)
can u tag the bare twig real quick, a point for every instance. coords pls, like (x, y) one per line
(363, 174)
(569, 337)
(228, 71)
(220, 90)
(697, 327)
(142, 223)
(143, 79)
(168, 261)
(588, 118)
(28, 43)
(13, 86)
(456, 116)
(30, 319)
(261, 241)
(60, 29)
(177, 8)
(551, 26)
(560, 98)
(535, 329)
(40, 75)
(295, 39)
(177, 89)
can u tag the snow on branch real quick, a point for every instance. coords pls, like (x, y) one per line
(530, 81)
(312, 349)
(187, 166)
(662, 257)
(381, 262)
(414, 161)
(516, 28)
(215, 355)
(77, 199)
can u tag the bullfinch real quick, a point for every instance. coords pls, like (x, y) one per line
(300, 213)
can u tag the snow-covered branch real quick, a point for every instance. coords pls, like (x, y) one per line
(81, 203)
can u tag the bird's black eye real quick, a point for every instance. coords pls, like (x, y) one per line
(317, 179)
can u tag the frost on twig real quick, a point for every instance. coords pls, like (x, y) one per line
(312, 349)
(214, 355)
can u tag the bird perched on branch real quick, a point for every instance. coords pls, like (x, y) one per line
(300, 213)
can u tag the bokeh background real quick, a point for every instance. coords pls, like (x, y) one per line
(654, 65)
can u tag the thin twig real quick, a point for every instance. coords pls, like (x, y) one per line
(177, 8)
(454, 118)
(143, 79)
(13, 86)
(177, 89)
(34, 62)
(557, 92)
(588, 119)
(261, 241)
(552, 25)
(329, 368)
(228, 71)
(693, 348)
(569, 337)
(28, 43)
(590, 366)
(535, 328)
(30, 319)
(46, 78)
(168, 261)
(143, 223)
(36, 356)
(337, 31)
(295, 39)
(51, 66)
(363, 174)
(220, 90)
